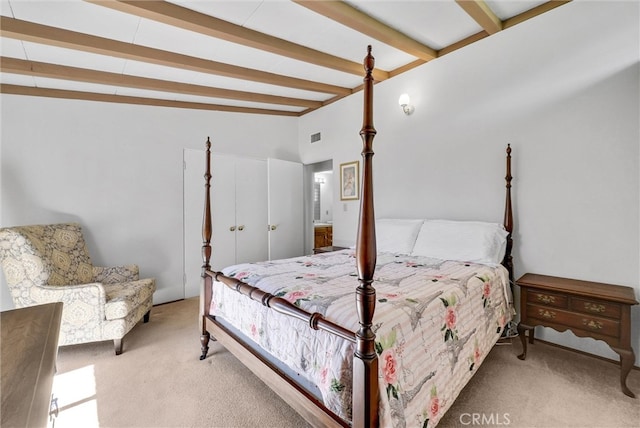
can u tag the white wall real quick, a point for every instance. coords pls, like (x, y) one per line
(568, 105)
(117, 169)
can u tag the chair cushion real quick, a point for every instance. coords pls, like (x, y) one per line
(124, 297)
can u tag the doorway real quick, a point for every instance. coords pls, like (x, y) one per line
(319, 185)
(323, 197)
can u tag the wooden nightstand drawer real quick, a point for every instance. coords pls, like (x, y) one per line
(605, 326)
(600, 326)
(596, 307)
(546, 298)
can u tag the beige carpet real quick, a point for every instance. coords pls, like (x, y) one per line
(159, 382)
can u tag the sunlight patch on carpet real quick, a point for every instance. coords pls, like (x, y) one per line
(75, 395)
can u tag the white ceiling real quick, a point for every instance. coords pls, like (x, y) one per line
(441, 26)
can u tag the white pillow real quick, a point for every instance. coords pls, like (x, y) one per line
(470, 241)
(397, 235)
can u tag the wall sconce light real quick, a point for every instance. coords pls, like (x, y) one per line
(405, 103)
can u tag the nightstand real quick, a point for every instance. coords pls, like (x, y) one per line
(588, 309)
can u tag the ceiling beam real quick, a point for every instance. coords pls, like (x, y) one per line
(531, 13)
(182, 17)
(54, 71)
(538, 10)
(37, 33)
(68, 39)
(123, 99)
(353, 18)
(482, 14)
(462, 43)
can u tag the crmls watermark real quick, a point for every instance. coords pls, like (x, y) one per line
(485, 419)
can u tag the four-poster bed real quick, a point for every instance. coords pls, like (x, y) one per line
(293, 322)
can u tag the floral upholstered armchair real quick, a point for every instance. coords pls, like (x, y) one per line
(51, 263)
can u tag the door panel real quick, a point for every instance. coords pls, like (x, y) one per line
(251, 210)
(223, 211)
(286, 209)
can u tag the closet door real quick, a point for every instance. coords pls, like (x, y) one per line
(239, 195)
(223, 211)
(251, 210)
(286, 209)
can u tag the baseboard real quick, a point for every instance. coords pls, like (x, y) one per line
(166, 303)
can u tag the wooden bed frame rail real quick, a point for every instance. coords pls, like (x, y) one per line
(365, 360)
(315, 320)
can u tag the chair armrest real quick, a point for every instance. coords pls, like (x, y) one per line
(89, 298)
(116, 274)
(92, 293)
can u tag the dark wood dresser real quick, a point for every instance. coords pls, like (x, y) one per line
(29, 350)
(588, 309)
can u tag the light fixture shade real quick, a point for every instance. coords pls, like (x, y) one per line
(405, 103)
(404, 100)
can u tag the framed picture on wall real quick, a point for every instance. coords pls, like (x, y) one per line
(350, 181)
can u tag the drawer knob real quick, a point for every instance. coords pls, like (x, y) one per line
(546, 298)
(593, 307)
(592, 324)
(546, 314)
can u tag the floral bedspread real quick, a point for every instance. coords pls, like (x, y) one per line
(435, 321)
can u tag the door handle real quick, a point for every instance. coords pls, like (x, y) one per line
(241, 227)
(272, 227)
(232, 229)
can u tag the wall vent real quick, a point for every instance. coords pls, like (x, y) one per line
(315, 137)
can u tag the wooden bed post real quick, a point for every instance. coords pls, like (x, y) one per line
(365, 361)
(205, 292)
(508, 219)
